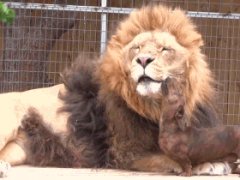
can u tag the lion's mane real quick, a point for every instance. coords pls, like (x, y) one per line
(200, 84)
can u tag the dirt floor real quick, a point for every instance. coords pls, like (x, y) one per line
(33, 173)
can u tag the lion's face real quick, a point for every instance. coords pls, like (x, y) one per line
(149, 46)
(151, 58)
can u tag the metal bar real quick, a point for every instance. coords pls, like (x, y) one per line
(76, 8)
(109, 10)
(103, 40)
(213, 15)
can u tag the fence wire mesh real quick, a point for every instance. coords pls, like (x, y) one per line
(47, 35)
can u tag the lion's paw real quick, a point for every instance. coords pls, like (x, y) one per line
(4, 168)
(216, 168)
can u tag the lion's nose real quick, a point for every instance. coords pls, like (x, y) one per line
(144, 61)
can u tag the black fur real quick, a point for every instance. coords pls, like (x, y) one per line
(86, 146)
(87, 122)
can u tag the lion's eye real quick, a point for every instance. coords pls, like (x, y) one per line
(165, 49)
(135, 49)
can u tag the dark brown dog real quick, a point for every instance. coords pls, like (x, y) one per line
(189, 145)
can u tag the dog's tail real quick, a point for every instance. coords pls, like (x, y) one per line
(87, 123)
(86, 144)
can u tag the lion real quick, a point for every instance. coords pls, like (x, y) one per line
(105, 113)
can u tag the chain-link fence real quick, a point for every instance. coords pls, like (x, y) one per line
(47, 35)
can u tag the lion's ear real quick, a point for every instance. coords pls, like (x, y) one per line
(198, 41)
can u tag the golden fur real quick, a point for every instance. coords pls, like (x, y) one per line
(153, 43)
(114, 74)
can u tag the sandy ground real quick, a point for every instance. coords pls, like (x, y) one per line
(34, 173)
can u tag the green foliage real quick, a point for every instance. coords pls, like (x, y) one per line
(7, 15)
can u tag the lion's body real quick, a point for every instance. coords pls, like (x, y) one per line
(109, 118)
(14, 106)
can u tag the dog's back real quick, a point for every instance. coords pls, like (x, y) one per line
(207, 144)
(187, 144)
(193, 146)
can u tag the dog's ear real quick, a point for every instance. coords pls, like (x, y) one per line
(182, 124)
(181, 119)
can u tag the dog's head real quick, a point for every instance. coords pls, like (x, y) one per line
(173, 104)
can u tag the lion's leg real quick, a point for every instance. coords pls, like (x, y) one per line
(213, 168)
(222, 166)
(7, 133)
(9, 121)
(11, 154)
(164, 165)
(157, 163)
